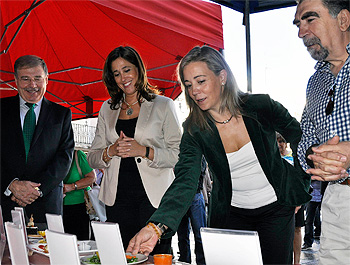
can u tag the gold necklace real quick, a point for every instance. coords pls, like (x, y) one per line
(129, 111)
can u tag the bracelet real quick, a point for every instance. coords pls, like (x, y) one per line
(104, 155)
(147, 152)
(155, 229)
(75, 186)
(107, 151)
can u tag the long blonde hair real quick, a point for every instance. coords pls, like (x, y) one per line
(230, 94)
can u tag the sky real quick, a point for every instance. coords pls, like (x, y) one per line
(281, 66)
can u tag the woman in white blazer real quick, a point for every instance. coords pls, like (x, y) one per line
(136, 142)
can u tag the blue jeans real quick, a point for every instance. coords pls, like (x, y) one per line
(195, 214)
(312, 209)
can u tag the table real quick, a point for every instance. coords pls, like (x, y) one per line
(38, 259)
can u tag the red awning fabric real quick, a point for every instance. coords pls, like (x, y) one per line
(75, 37)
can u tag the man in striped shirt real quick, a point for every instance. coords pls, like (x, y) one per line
(324, 150)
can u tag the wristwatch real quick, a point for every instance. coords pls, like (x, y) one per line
(162, 227)
(75, 186)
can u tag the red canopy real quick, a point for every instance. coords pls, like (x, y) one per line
(75, 37)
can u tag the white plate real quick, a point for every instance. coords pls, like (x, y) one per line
(35, 237)
(85, 260)
(141, 258)
(35, 247)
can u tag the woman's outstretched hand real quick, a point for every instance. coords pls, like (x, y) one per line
(143, 242)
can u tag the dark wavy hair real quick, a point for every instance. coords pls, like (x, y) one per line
(144, 88)
(230, 94)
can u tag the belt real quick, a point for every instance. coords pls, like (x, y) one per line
(345, 182)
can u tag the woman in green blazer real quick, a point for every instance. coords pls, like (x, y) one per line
(253, 188)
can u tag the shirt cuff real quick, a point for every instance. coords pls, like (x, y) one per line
(7, 191)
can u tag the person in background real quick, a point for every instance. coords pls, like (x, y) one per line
(36, 145)
(324, 149)
(80, 176)
(299, 210)
(253, 187)
(136, 143)
(195, 215)
(313, 208)
(317, 223)
(99, 175)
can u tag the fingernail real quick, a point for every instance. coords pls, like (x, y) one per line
(343, 159)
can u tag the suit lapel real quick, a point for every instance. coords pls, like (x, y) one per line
(15, 121)
(142, 121)
(255, 133)
(112, 121)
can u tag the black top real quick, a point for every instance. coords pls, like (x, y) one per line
(130, 187)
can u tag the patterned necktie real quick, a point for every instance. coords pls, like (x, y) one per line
(29, 127)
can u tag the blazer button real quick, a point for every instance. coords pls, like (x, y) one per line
(139, 160)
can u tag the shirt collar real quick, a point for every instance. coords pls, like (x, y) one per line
(320, 64)
(22, 102)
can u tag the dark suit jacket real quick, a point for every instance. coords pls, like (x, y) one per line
(262, 117)
(49, 158)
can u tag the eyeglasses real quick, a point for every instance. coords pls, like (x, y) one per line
(330, 105)
(27, 80)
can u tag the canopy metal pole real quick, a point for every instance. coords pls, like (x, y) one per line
(248, 50)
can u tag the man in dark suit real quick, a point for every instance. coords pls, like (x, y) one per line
(36, 144)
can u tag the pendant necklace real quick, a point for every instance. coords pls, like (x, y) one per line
(225, 121)
(129, 111)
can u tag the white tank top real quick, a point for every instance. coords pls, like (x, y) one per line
(250, 187)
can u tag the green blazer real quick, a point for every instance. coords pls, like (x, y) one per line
(262, 117)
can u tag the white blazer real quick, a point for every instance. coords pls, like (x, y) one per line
(157, 127)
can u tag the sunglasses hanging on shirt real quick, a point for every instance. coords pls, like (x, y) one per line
(330, 105)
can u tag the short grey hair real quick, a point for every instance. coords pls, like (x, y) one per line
(29, 61)
(333, 6)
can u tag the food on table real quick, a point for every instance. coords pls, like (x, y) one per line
(35, 236)
(42, 233)
(131, 258)
(44, 248)
(95, 259)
